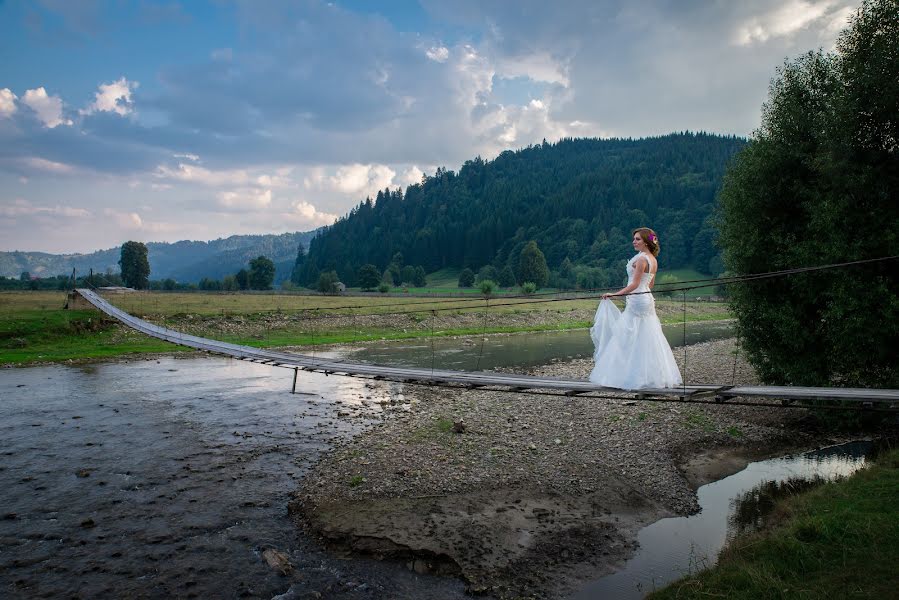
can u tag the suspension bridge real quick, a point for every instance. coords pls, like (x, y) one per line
(775, 396)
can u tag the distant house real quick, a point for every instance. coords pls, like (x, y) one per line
(116, 289)
(340, 287)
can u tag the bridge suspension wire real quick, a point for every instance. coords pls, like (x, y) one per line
(591, 295)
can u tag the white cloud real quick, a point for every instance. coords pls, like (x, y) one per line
(125, 220)
(20, 208)
(191, 157)
(7, 102)
(782, 21)
(306, 214)
(412, 176)
(47, 108)
(362, 179)
(245, 199)
(437, 53)
(113, 97)
(37, 163)
(539, 66)
(227, 177)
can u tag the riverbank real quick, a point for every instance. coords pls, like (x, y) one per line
(840, 539)
(537, 494)
(35, 330)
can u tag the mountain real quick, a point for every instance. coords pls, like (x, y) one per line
(578, 199)
(184, 261)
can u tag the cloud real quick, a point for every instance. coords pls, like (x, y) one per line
(7, 102)
(362, 180)
(20, 208)
(782, 21)
(35, 163)
(306, 214)
(245, 200)
(47, 108)
(437, 53)
(113, 97)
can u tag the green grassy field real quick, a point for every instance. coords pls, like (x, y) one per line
(35, 328)
(839, 540)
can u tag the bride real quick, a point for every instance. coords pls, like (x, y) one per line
(631, 351)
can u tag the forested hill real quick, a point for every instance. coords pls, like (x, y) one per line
(184, 261)
(579, 199)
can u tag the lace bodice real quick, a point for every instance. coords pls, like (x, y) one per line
(647, 276)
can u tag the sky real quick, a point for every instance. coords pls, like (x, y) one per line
(161, 121)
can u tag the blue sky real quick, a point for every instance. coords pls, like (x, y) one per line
(159, 121)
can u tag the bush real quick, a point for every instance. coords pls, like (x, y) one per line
(528, 288)
(487, 287)
(384, 288)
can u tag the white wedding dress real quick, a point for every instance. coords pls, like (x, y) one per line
(630, 350)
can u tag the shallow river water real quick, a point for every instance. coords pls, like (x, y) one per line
(170, 478)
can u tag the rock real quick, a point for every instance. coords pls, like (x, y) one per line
(278, 561)
(459, 426)
(83, 473)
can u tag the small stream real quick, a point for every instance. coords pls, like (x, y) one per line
(672, 548)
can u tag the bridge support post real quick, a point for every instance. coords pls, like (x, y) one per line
(294, 388)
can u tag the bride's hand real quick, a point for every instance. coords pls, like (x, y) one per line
(606, 296)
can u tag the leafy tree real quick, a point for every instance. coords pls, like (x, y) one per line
(408, 274)
(487, 272)
(25, 276)
(229, 283)
(327, 282)
(135, 265)
(420, 279)
(169, 284)
(466, 278)
(532, 265)
(243, 279)
(369, 278)
(506, 277)
(262, 273)
(818, 184)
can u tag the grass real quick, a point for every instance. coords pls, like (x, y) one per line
(838, 540)
(34, 328)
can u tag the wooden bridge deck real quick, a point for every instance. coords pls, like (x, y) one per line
(510, 382)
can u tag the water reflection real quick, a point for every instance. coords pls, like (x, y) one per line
(672, 548)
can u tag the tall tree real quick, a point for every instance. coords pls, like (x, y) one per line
(135, 265)
(296, 275)
(532, 265)
(262, 273)
(817, 184)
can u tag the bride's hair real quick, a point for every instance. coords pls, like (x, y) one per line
(650, 238)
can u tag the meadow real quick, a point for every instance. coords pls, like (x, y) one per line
(35, 328)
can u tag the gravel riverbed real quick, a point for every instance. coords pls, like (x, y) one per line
(538, 494)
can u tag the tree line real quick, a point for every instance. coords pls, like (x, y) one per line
(577, 199)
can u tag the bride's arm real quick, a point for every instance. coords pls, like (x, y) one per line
(639, 269)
